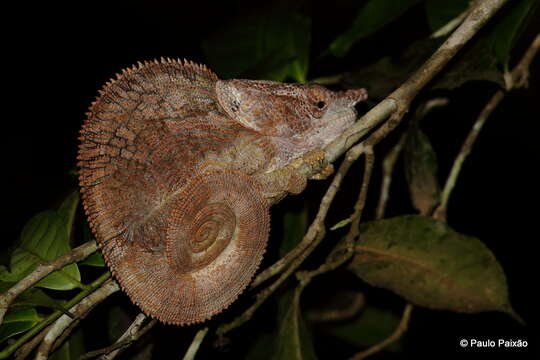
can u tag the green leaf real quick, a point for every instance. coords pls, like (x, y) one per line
(440, 12)
(373, 16)
(341, 224)
(17, 322)
(371, 327)
(269, 45)
(96, 259)
(421, 170)
(431, 265)
(503, 37)
(44, 238)
(293, 339)
(476, 62)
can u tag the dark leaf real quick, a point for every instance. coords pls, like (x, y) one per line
(373, 16)
(431, 265)
(476, 62)
(503, 37)
(267, 45)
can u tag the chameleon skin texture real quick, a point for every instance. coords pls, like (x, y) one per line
(178, 170)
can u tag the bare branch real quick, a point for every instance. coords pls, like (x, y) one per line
(334, 261)
(132, 333)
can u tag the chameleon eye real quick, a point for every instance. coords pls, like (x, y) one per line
(321, 105)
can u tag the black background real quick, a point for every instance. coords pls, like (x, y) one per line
(56, 57)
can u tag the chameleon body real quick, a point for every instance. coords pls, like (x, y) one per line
(178, 170)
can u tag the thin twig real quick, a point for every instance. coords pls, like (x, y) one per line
(108, 288)
(518, 77)
(402, 327)
(333, 262)
(132, 333)
(42, 270)
(195, 344)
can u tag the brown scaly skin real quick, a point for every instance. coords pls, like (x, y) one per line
(178, 170)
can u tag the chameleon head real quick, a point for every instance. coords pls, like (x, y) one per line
(305, 113)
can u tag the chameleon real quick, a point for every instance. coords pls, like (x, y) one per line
(178, 170)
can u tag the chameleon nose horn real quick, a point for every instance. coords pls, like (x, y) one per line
(356, 95)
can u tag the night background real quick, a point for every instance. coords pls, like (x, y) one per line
(57, 57)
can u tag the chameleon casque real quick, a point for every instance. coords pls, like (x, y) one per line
(178, 170)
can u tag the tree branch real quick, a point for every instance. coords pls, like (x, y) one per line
(195, 344)
(132, 333)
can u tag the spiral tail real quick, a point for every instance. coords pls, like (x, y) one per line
(216, 233)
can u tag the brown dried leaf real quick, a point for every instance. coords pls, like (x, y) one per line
(431, 265)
